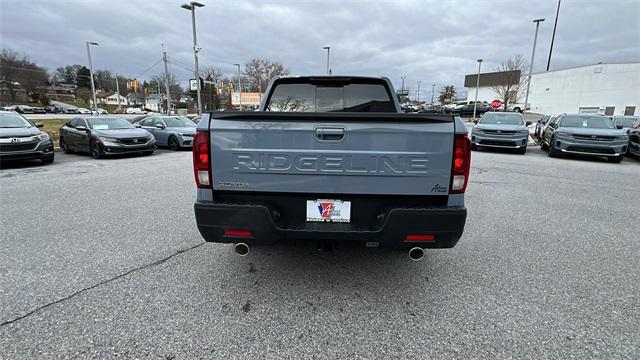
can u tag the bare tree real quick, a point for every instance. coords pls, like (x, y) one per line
(174, 85)
(211, 93)
(510, 83)
(260, 71)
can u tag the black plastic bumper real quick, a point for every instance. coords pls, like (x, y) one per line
(445, 224)
(27, 155)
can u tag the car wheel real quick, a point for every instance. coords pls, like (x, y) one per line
(96, 153)
(552, 149)
(64, 146)
(615, 159)
(543, 146)
(173, 143)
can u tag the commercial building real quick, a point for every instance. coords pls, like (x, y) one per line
(611, 89)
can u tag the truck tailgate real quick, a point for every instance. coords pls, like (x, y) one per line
(332, 153)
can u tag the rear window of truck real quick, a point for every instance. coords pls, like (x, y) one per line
(331, 97)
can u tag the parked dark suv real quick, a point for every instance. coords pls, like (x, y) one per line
(22, 140)
(634, 140)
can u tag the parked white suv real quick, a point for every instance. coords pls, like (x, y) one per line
(136, 111)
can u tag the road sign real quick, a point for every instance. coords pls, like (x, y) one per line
(402, 92)
(495, 104)
(193, 84)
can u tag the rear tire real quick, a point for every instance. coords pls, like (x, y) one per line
(96, 153)
(552, 149)
(64, 146)
(615, 159)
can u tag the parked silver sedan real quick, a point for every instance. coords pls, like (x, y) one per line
(176, 132)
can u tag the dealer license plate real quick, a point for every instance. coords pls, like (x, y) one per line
(323, 210)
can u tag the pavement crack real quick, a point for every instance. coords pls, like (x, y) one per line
(143, 267)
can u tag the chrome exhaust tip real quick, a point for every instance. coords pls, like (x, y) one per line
(241, 249)
(416, 254)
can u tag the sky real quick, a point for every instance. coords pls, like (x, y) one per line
(435, 42)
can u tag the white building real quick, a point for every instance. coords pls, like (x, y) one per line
(611, 89)
(111, 98)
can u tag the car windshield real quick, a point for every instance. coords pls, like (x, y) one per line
(626, 121)
(502, 119)
(102, 123)
(13, 121)
(178, 121)
(587, 121)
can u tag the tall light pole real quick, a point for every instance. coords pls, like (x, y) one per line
(192, 7)
(402, 87)
(418, 92)
(553, 37)
(533, 54)
(475, 102)
(166, 80)
(328, 48)
(433, 89)
(93, 86)
(239, 87)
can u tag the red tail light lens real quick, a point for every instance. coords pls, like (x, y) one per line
(419, 237)
(201, 165)
(237, 233)
(461, 164)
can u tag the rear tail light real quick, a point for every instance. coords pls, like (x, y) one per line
(419, 237)
(201, 163)
(461, 164)
(237, 233)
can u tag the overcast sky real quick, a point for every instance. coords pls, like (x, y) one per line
(432, 41)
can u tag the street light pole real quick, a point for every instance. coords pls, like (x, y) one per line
(118, 90)
(93, 86)
(166, 80)
(433, 89)
(418, 92)
(475, 102)
(192, 7)
(239, 87)
(553, 37)
(328, 48)
(533, 54)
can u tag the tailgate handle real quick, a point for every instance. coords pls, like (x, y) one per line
(329, 134)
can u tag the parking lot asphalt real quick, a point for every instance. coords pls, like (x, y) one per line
(102, 259)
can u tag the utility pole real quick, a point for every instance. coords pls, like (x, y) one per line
(118, 90)
(239, 87)
(166, 80)
(553, 37)
(418, 92)
(192, 7)
(433, 89)
(475, 102)
(533, 54)
(328, 48)
(402, 87)
(93, 86)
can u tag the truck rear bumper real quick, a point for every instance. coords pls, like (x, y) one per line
(435, 227)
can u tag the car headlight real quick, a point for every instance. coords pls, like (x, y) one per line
(185, 134)
(150, 137)
(474, 130)
(622, 137)
(42, 136)
(109, 139)
(523, 132)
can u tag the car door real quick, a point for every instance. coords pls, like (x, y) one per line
(71, 135)
(83, 136)
(161, 134)
(550, 129)
(146, 124)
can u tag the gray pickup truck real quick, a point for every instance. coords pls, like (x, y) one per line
(331, 159)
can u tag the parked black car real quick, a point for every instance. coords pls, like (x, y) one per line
(22, 140)
(634, 140)
(105, 135)
(466, 110)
